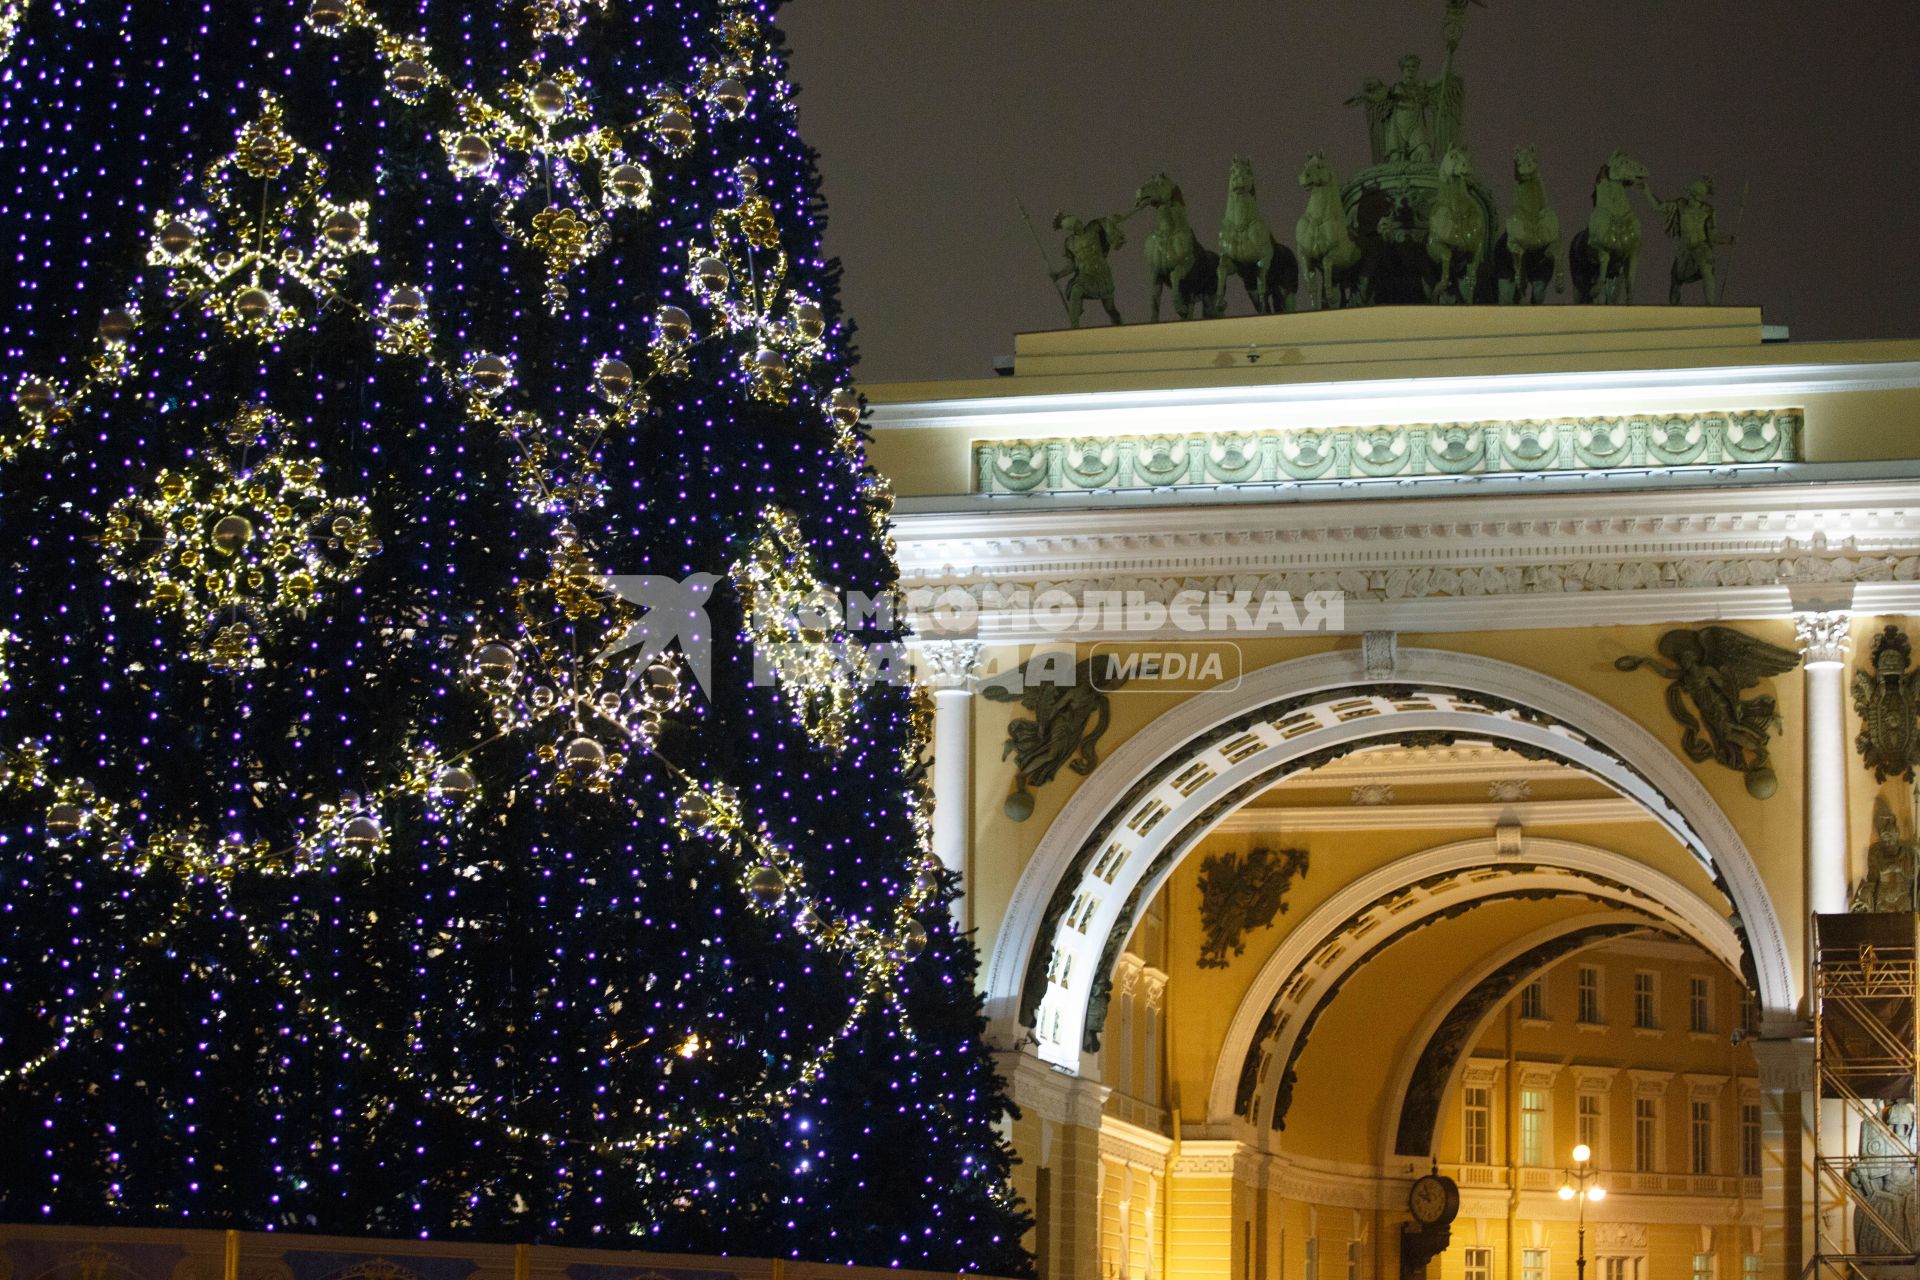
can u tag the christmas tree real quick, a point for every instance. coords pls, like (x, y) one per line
(458, 778)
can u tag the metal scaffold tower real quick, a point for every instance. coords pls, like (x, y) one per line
(1866, 981)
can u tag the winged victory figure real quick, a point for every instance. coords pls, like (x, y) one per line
(1710, 669)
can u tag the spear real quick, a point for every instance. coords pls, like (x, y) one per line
(1044, 257)
(1739, 217)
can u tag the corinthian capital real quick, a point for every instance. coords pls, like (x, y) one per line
(1822, 636)
(948, 664)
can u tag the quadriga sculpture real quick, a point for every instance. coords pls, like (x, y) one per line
(1456, 230)
(1175, 257)
(1605, 257)
(1248, 250)
(1328, 251)
(1528, 255)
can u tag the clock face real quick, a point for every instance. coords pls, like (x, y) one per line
(1428, 1200)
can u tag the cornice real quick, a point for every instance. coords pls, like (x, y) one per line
(1434, 564)
(1368, 401)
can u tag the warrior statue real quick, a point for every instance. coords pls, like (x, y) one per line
(1883, 1180)
(1892, 860)
(1088, 273)
(1689, 223)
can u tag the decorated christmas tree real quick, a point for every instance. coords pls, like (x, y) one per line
(446, 790)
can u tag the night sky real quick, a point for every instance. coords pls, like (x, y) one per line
(933, 115)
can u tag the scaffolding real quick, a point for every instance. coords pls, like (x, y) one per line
(1866, 981)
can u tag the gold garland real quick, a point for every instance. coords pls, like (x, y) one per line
(290, 237)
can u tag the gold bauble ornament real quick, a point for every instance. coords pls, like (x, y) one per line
(662, 680)
(614, 378)
(770, 365)
(406, 304)
(549, 98)
(495, 661)
(713, 274)
(585, 753)
(343, 230)
(675, 325)
(255, 304)
(454, 783)
(65, 820)
(411, 79)
(117, 325)
(913, 939)
(731, 97)
(179, 237)
(629, 182)
(265, 155)
(810, 320)
(695, 808)
(674, 130)
(473, 153)
(328, 15)
(231, 534)
(361, 835)
(491, 373)
(36, 397)
(768, 885)
(843, 406)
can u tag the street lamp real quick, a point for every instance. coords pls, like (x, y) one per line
(1582, 1184)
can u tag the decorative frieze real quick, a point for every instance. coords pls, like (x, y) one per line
(1494, 562)
(1284, 454)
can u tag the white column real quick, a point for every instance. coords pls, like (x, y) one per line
(1823, 644)
(949, 666)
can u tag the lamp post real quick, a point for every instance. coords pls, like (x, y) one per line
(1582, 1184)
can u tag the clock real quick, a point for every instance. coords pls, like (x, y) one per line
(1434, 1200)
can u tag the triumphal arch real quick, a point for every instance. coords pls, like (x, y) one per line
(1386, 749)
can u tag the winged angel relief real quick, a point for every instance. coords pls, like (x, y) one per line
(1710, 670)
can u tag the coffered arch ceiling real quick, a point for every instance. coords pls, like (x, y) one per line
(1387, 1045)
(1299, 981)
(1121, 834)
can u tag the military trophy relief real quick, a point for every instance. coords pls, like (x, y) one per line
(1239, 895)
(1416, 225)
(1070, 711)
(1886, 697)
(1709, 671)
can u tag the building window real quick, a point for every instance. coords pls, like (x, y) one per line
(1533, 1264)
(1645, 1002)
(1749, 1139)
(1619, 1268)
(1702, 1266)
(1353, 1260)
(1312, 1271)
(1646, 1135)
(1533, 1127)
(1589, 995)
(1700, 1136)
(1476, 1145)
(1589, 1122)
(1699, 1008)
(1750, 1266)
(1479, 1264)
(1533, 999)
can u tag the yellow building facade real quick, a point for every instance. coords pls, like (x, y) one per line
(1318, 829)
